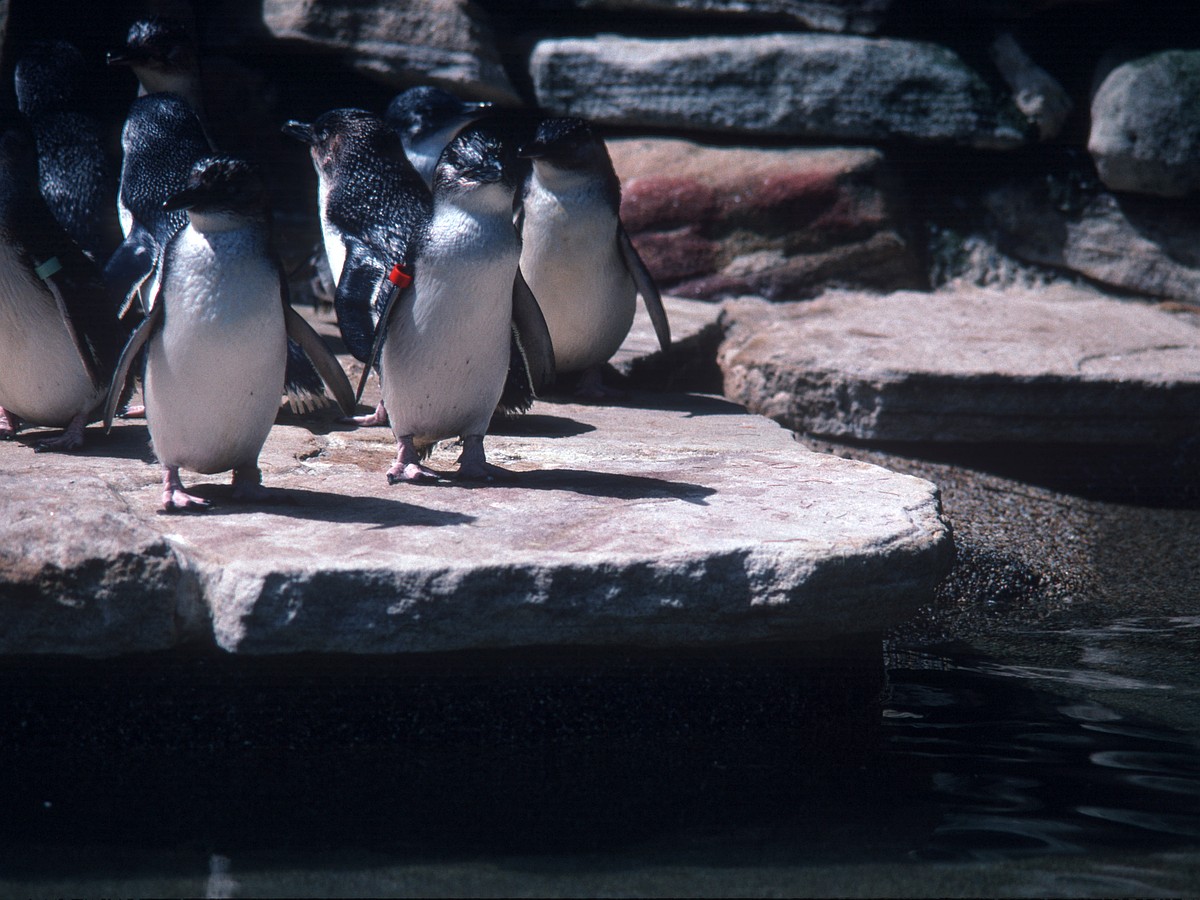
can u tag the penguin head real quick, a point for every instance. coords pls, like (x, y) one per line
(422, 112)
(160, 51)
(566, 143)
(478, 157)
(345, 135)
(49, 77)
(221, 187)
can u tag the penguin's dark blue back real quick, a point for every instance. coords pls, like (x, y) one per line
(76, 176)
(162, 140)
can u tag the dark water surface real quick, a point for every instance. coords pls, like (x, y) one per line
(1071, 768)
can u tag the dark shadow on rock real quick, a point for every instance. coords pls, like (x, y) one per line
(322, 506)
(592, 484)
(1152, 475)
(537, 425)
(131, 441)
(694, 405)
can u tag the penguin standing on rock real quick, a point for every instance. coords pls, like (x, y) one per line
(372, 207)
(448, 337)
(216, 336)
(59, 332)
(427, 118)
(77, 179)
(575, 253)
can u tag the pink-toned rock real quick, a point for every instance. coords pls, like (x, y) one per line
(784, 224)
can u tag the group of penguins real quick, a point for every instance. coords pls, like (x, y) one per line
(471, 254)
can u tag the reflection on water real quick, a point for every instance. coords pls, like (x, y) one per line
(972, 776)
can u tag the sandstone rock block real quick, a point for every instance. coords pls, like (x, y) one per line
(1142, 245)
(1145, 135)
(443, 42)
(714, 222)
(1059, 364)
(834, 88)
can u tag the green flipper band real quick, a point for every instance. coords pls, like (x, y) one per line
(48, 268)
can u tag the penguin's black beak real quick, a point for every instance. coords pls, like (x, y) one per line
(299, 130)
(184, 199)
(535, 149)
(120, 58)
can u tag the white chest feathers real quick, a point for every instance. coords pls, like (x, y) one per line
(446, 354)
(215, 371)
(573, 265)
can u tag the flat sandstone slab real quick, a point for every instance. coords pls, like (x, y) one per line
(685, 522)
(1055, 364)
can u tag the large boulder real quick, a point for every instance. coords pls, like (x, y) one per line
(832, 88)
(1145, 134)
(1141, 245)
(1058, 364)
(443, 42)
(857, 16)
(714, 222)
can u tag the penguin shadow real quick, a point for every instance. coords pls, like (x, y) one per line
(130, 441)
(614, 485)
(693, 405)
(320, 506)
(539, 425)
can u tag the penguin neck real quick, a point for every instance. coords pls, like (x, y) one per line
(562, 179)
(212, 222)
(463, 217)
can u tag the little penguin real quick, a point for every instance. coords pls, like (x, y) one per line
(216, 336)
(447, 337)
(162, 141)
(60, 336)
(78, 179)
(162, 54)
(427, 118)
(576, 255)
(372, 204)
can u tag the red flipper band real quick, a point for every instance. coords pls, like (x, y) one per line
(399, 277)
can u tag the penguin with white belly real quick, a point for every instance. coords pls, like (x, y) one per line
(216, 336)
(576, 256)
(60, 336)
(448, 336)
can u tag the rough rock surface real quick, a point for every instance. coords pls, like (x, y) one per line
(78, 572)
(691, 362)
(443, 42)
(1060, 364)
(822, 87)
(714, 222)
(1145, 133)
(1142, 245)
(684, 522)
(858, 16)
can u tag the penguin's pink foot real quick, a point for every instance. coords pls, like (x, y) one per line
(408, 468)
(175, 497)
(134, 411)
(70, 439)
(9, 424)
(473, 465)
(378, 417)
(247, 486)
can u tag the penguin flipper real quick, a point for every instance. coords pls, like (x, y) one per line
(646, 287)
(321, 358)
(354, 298)
(131, 266)
(137, 340)
(532, 335)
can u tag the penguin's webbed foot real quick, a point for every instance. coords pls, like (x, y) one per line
(174, 497)
(70, 439)
(133, 411)
(592, 387)
(378, 417)
(473, 465)
(407, 467)
(413, 473)
(9, 425)
(247, 486)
